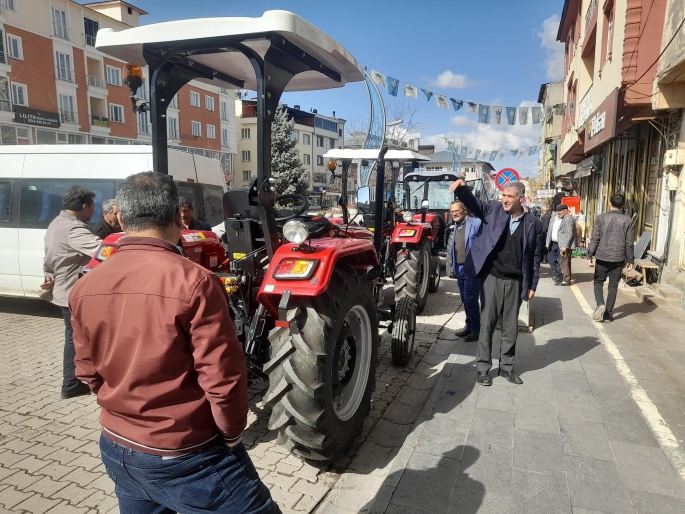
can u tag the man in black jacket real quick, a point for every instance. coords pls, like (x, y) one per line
(546, 216)
(108, 224)
(187, 219)
(612, 242)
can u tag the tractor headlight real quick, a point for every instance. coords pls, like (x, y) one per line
(407, 216)
(295, 232)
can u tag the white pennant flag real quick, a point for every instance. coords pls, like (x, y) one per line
(410, 91)
(501, 156)
(378, 77)
(442, 101)
(521, 154)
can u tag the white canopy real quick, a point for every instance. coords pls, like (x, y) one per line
(372, 155)
(128, 46)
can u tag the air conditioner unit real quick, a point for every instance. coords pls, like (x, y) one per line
(674, 157)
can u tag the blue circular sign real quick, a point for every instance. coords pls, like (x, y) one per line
(504, 176)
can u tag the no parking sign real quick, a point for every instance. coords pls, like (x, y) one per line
(504, 176)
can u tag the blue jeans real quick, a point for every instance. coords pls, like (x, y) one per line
(469, 289)
(217, 479)
(69, 382)
(554, 259)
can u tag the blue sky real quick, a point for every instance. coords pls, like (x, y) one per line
(497, 52)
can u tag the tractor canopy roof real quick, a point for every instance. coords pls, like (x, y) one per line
(432, 176)
(372, 154)
(218, 44)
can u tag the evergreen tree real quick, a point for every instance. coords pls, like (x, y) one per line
(286, 167)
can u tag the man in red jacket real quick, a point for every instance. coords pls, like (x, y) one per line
(155, 343)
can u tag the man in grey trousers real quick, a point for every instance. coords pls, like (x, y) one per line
(613, 236)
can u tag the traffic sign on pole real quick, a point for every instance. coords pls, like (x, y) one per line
(504, 176)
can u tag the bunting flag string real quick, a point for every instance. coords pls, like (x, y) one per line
(467, 153)
(491, 114)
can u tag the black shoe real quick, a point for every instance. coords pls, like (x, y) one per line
(557, 279)
(473, 336)
(511, 377)
(484, 379)
(81, 389)
(608, 318)
(463, 332)
(544, 262)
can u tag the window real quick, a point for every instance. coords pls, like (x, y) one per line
(211, 132)
(113, 76)
(306, 139)
(20, 94)
(59, 24)
(90, 30)
(319, 160)
(116, 113)
(14, 47)
(246, 156)
(64, 70)
(41, 200)
(332, 143)
(213, 203)
(209, 103)
(194, 99)
(224, 137)
(11, 5)
(173, 128)
(197, 128)
(295, 136)
(174, 102)
(326, 124)
(143, 126)
(5, 201)
(306, 158)
(319, 141)
(610, 34)
(67, 110)
(247, 176)
(245, 133)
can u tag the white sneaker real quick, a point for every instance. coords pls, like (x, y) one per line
(598, 315)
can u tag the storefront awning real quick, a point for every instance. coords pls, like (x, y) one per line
(587, 166)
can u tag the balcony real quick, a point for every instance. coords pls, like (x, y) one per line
(61, 31)
(590, 15)
(224, 116)
(65, 74)
(5, 105)
(70, 117)
(95, 81)
(99, 121)
(88, 40)
(4, 58)
(585, 108)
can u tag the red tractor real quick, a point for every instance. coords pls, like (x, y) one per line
(303, 292)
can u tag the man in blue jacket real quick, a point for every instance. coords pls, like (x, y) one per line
(464, 231)
(506, 258)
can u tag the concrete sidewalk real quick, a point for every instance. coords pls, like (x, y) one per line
(572, 438)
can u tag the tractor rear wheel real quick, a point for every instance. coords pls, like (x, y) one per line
(403, 331)
(412, 274)
(434, 275)
(323, 366)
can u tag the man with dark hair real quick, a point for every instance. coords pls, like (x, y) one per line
(544, 219)
(170, 377)
(189, 222)
(506, 258)
(464, 231)
(612, 245)
(69, 246)
(109, 223)
(561, 234)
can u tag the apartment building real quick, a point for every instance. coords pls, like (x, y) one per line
(551, 168)
(314, 133)
(611, 47)
(56, 88)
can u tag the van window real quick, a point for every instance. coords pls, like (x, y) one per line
(5, 201)
(213, 197)
(41, 199)
(190, 191)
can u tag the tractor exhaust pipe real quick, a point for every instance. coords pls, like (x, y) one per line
(380, 182)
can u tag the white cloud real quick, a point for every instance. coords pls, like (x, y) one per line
(449, 80)
(555, 49)
(463, 121)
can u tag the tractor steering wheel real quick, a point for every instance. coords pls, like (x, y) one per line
(302, 198)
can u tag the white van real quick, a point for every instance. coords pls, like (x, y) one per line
(33, 180)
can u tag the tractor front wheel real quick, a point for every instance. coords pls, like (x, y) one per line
(322, 370)
(403, 331)
(434, 275)
(412, 274)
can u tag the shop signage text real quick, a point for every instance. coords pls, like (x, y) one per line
(35, 117)
(596, 124)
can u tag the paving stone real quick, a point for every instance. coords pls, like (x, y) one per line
(402, 414)
(427, 483)
(389, 434)
(647, 468)
(37, 504)
(578, 407)
(73, 493)
(65, 508)
(485, 468)
(492, 427)
(99, 500)
(11, 496)
(81, 477)
(316, 491)
(497, 398)
(440, 436)
(373, 459)
(596, 485)
(21, 479)
(537, 416)
(570, 382)
(651, 503)
(539, 493)
(585, 439)
(538, 451)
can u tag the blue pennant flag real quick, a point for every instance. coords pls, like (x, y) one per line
(493, 155)
(428, 94)
(476, 155)
(537, 115)
(532, 150)
(514, 152)
(511, 115)
(457, 104)
(472, 107)
(393, 85)
(483, 113)
(464, 151)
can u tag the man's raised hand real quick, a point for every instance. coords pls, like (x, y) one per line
(459, 183)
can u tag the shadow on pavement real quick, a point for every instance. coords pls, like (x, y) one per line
(29, 307)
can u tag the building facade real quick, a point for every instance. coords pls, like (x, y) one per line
(56, 88)
(551, 167)
(314, 133)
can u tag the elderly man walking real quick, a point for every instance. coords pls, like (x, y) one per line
(108, 224)
(560, 237)
(613, 236)
(155, 341)
(465, 229)
(506, 258)
(69, 246)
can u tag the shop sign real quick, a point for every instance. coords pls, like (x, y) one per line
(36, 117)
(99, 121)
(545, 193)
(601, 124)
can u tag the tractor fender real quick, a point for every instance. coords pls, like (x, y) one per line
(410, 233)
(326, 253)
